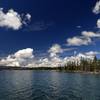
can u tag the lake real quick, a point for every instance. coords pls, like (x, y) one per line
(48, 85)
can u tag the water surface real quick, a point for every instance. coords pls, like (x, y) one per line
(48, 85)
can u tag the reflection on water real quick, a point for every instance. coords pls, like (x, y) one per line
(48, 85)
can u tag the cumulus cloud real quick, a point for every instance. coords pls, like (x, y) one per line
(25, 53)
(96, 9)
(92, 53)
(9, 61)
(12, 19)
(78, 41)
(54, 52)
(28, 16)
(90, 34)
(25, 58)
(98, 23)
(84, 39)
(20, 58)
(44, 62)
(55, 49)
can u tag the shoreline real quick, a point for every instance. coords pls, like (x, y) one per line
(50, 69)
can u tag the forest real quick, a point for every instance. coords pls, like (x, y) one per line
(85, 65)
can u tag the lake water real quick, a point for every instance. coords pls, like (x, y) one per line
(48, 85)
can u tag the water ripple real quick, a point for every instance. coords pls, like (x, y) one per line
(48, 85)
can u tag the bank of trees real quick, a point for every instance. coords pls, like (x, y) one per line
(84, 65)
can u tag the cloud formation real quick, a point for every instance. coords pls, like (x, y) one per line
(20, 58)
(26, 58)
(92, 53)
(96, 9)
(25, 53)
(54, 59)
(13, 19)
(78, 41)
(84, 39)
(55, 49)
(98, 23)
(90, 34)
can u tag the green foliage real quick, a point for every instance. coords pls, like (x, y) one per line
(85, 65)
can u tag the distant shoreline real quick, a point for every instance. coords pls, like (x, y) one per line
(28, 68)
(48, 68)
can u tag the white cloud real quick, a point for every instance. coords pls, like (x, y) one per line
(84, 39)
(78, 41)
(92, 53)
(20, 58)
(45, 62)
(25, 58)
(85, 56)
(98, 23)
(55, 49)
(90, 34)
(96, 9)
(26, 19)
(12, 19)
(9, 61)
(28, 16)
(54, 59)
(25, 53)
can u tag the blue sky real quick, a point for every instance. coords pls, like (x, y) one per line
(52, 22)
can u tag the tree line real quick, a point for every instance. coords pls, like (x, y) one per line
(84, 65)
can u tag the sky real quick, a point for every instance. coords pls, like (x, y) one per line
(49, 27)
